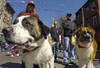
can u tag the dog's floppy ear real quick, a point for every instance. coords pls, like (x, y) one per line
(74, 36)
(44, 29)
(77, 31)
(92, 31)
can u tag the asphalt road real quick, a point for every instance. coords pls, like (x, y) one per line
(15, 62)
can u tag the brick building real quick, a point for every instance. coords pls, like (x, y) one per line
(89, 15)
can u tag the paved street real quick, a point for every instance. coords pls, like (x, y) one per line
(15, 62)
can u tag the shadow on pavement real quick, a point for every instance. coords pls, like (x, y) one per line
(59, 62)
(11, 65)
(71, 66)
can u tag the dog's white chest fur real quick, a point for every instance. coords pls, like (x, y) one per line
(41, 55)
(84, 53)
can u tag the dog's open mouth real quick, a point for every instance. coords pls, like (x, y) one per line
(14, 45)
(86, 42)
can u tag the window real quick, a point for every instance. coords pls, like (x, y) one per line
(94, 20)
(87, 9)
(93, 5)
(88, 22)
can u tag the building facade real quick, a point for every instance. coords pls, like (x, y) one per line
(6, 14)
(89, 16)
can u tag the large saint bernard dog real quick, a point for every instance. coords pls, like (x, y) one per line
(86, 46)
(33, 37)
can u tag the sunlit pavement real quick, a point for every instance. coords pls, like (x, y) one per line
(15, 62)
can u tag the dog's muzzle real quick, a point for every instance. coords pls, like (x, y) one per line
(87, 37)
(7, 31)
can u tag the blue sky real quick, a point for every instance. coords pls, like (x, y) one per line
(46, 9)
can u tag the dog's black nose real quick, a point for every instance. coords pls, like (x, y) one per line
(7, 30)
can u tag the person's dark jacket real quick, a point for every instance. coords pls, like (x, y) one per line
(55, 32)
(21, 13)
(68, 27)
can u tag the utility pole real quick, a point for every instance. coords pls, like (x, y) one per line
(82, 17)
(53, 21)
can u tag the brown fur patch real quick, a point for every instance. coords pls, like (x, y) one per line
(50, 41)
(36, 29)
(95, 50)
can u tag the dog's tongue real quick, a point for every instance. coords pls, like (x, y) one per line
(87, 42)
(11, 46)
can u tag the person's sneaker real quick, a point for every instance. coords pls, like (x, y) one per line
(17, 54)
(12, 55)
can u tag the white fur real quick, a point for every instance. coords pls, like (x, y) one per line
(42, 56)
(20, 34)
(84, 55)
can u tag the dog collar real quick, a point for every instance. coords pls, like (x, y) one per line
(35, 15)
(26, 50)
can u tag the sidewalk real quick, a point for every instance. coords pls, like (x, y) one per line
(15, 62)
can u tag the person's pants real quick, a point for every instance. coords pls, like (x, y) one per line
(56, 49)
(68, 50)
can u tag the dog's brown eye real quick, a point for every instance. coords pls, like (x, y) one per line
(25, 23)
(89, 33)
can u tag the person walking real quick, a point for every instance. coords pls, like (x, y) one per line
(30, 9)
(56, 37)
(68, 50)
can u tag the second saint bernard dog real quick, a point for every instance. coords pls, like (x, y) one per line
(86, 46)
(33, 37)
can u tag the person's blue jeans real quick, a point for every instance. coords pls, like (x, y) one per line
(68, 50)
(56, 49)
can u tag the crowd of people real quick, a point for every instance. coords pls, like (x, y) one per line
(11, 50)
(62, 37)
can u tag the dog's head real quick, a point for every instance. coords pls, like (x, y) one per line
(84, 36)
(25, 30)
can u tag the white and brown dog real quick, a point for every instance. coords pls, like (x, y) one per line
(31, 35)
(86, 46)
